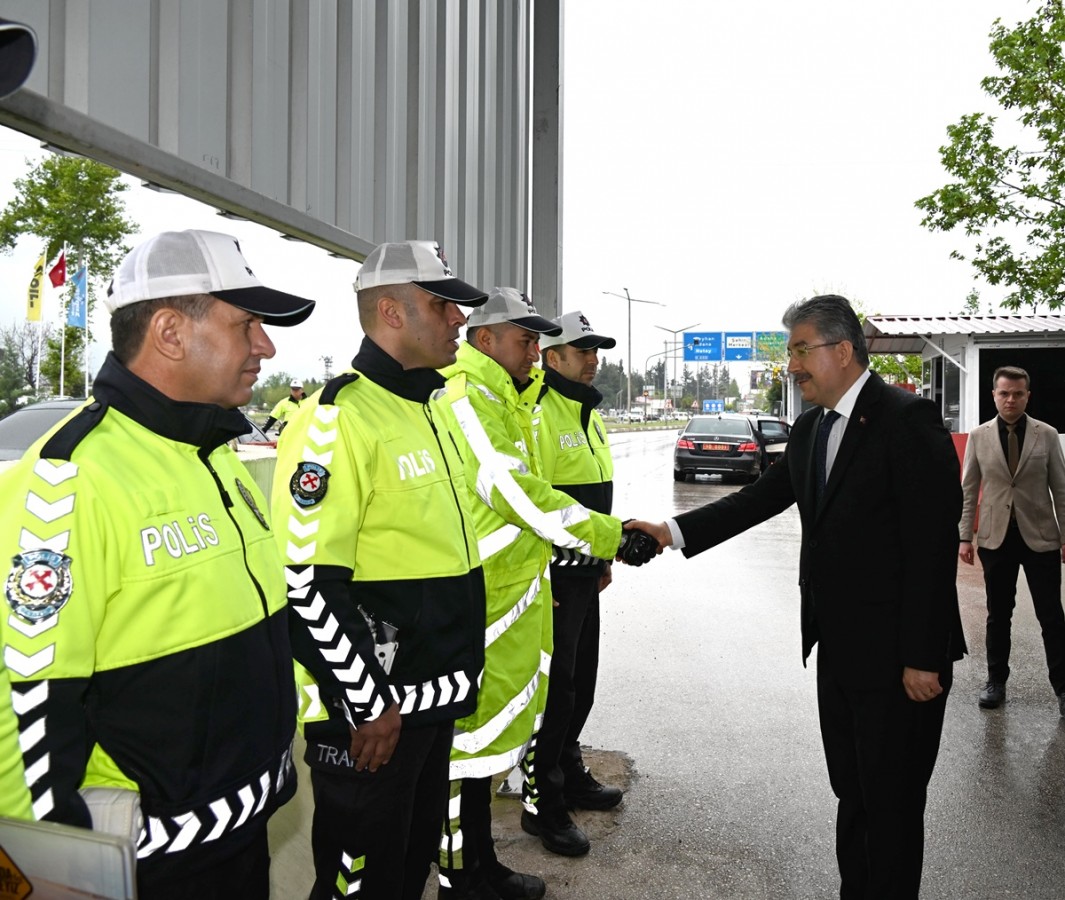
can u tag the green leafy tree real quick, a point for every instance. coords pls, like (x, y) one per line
(74, 202)
(269, 390)
(266, 393)
(897, 368)
(70, 356)
(1010, 197)
(610, 382)
(894, 368)
(971, 306)
(13, 380)
(653, 377)
(775, 392)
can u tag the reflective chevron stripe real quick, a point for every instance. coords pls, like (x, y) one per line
(360, 690)
(31, 629)
(55, 473)
(449, 858)
(530, 794)
(223, 815)
(495, 472)
(29, 665)
(29, 704)
(349, 882)
(485, 766)
(475, 741)
(563, 556)
(498, 540)
(440, 691)
(500, 625)
(49, 512)
(361, 693)
(47, 527)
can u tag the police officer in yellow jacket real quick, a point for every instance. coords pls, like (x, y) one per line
(147, 634)
(576, 460)
(385, 581)
(518, 516)
(285, 408)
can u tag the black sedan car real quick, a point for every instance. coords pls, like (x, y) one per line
(728, 445)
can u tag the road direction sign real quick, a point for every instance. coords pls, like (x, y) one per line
(702, 346)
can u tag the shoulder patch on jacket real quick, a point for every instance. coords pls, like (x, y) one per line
(335, 386)
(61, 444)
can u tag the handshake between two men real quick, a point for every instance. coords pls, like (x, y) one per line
(637, 545)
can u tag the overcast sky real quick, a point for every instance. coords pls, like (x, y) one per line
(721, 158)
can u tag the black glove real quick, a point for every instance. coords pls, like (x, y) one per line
(636, 547)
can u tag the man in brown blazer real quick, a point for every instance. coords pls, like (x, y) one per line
(1019, 463)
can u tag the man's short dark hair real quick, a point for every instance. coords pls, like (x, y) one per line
(129, 324)
(471, 334)
(834, 319)
(368, 297)
(561, 349)
(497, 328)
(1013, 373)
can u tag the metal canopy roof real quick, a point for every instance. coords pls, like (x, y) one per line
(906, 334)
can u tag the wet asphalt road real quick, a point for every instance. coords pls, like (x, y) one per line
(706, 714)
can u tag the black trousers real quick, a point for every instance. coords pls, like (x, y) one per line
(245, 874)
(571, 688)
(1042, 569)
(383, 827)
(477, 859)
(881, 748)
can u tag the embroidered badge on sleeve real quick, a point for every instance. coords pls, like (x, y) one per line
(308, 484)
(39, 584)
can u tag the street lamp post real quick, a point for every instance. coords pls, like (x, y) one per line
(628, 365)
(675, 332)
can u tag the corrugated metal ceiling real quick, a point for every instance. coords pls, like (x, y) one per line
(903, 334)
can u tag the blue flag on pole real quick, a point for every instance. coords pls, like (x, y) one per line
(79, 303)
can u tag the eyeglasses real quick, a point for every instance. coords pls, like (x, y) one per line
(803, 350)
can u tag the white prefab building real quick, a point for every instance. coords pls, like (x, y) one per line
(961, 353)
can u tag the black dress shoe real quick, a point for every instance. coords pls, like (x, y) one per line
(992, 695)
(511, 885)
(582, 791)
(556, 832)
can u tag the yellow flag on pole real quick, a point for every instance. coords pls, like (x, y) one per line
(36, 293)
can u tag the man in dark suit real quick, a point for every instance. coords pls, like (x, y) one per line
(877, 574)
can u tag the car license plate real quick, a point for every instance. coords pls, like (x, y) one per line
(715, 446)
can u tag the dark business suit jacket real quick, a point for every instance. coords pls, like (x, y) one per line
(878, 562)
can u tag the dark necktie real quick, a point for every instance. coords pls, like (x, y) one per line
(1013, 450)
(821, 449)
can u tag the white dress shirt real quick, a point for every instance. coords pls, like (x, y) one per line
(845, 408)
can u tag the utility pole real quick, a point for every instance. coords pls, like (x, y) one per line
(674, 332)
(628, 367)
